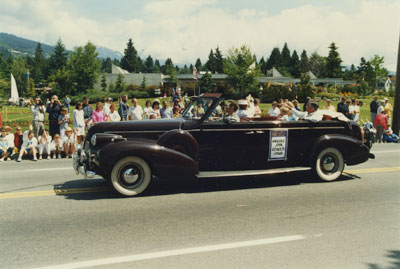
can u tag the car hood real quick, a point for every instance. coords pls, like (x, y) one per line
(142, 125)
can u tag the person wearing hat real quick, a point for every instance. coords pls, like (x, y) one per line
(135, 112)
(381, 107)
(244, 111)
(388, 108)
(106, 108)
(69, 143)
(274, 111)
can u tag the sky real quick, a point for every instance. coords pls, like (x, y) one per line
(188, 29)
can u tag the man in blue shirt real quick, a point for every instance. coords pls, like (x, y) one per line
(123, 108)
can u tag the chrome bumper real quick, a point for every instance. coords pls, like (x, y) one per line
(78, 159)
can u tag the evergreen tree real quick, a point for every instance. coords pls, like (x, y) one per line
(198, 65)
(211, 63)
(219, 61)
(205, 83)
(59, 57)
(366, 73)
(84, 67)
(263, 66)
(143, 84)
(274, 59)
(103, 83)
(294, 65)
(116, 62)
(149, 65)
(333, 62)
(170, 70)
(318, 65)
(119, 84)
(184, 70)
(304, 63)
(106, 65)
(38, 64)
(285, 57)
(130, 61)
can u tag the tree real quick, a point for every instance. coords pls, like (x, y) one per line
(130, 60)
(205, 83)
(148, 65)
(274, 59)
(366, 74)
(294, 65)
(237, 66)
(377, 65)
(119, 85)
(106, 65)
(318, 65)
(285, 57)
(198, 65)
(219, 61)
(84, 67)
(103, 83)
(19, 70)
(304, 63)
(38, 65)
(333, 62)
(143, 84)
(263, 66)
(170, 70)
(59, 58)
(211, 63)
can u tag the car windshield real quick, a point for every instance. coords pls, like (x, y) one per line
(197, 107)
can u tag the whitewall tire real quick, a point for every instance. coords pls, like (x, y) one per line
(130, 176)
(329, 164)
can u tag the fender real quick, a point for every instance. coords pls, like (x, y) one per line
(353, 150)
(182, 141)
(162, 161)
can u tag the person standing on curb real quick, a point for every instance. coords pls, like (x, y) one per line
(373, 108)
(54, 110)
(38, 111)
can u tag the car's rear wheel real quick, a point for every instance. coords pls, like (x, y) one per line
(130, 176)
(329, 164)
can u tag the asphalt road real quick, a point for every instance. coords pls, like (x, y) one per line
(51, 217)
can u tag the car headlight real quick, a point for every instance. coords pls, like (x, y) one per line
(93, 140)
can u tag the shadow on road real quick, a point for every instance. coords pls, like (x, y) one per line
(99, 189)
(394, 255)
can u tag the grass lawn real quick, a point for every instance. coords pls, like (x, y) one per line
(22, 115)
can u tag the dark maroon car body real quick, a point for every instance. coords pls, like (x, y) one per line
(193, 146)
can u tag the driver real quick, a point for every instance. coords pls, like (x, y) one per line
(231, 110)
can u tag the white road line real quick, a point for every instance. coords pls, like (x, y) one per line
(385, 151)
(176, 252)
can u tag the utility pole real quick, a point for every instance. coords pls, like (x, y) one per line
(396, 109)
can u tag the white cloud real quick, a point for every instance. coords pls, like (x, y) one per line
(185, 30)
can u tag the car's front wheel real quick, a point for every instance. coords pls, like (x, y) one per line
(329, 164)
(130, 176)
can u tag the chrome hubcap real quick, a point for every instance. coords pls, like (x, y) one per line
(130, 176)
(329, 163)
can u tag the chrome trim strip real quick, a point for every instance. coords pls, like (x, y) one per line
(207, 174)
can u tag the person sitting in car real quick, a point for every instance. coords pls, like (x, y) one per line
(312, 113)
(231, 111)
(244, 111)
(274, 110)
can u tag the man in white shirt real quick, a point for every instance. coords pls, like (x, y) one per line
(274, 111)
(244, 110)
(135, 111)
(231, 110)
(312, 113)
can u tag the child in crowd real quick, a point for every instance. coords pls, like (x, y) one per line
(69, 143)
(29, 146)
(79, 123)
(5, 149)
(44, 144)
(56, 146)
(18, 138)
(10, 140)
(63, 121)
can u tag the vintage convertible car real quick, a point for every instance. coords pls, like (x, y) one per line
(206, 143)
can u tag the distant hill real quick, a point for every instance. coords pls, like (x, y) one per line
(17, 45)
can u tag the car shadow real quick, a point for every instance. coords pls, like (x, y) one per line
(394, 255)
(95, 189)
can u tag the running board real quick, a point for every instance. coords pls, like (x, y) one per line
(206, 174)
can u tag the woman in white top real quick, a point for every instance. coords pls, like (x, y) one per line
(79, 123)
(44, 144)
(147, 110)
(28, 147)
(113, 116)
(69, 143)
